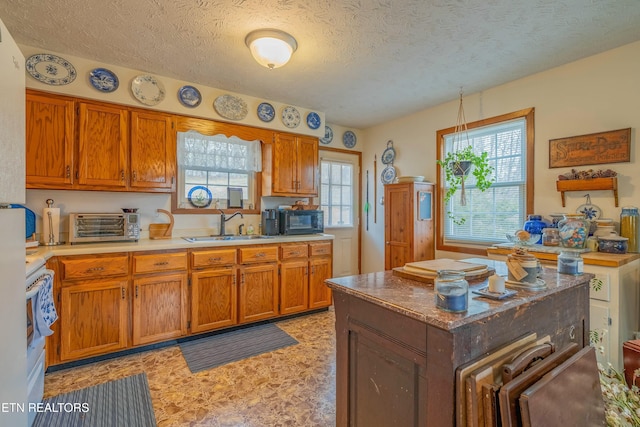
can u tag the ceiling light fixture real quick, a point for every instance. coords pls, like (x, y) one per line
(271, 48)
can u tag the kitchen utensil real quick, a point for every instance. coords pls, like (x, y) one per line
(366, 205)
(375, 188)
(161, 231)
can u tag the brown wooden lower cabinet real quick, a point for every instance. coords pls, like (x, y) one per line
(93, 318)
(258, 295)
(159, 308)
(294, 286)
(319, 293)
(214, 296)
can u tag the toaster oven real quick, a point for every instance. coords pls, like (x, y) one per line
(88, 228)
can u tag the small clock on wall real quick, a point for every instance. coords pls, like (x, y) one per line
(200, 196)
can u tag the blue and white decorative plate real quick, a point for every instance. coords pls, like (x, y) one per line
(147, 89)
(388, 174)
(313, 120)
(349, 139)
(189, 96)
(266, 112)
(328, 135)
(230, 107)
(50, 69)
(200, 196)
(290, 117)
(103, 80)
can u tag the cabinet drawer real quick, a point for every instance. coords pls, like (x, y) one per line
(202, 259)
(151, 263)
(252, 255)
(293, 251)
(94, 266)
(323, 248)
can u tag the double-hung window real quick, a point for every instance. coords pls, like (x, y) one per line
(336, 193)
(490, 215)
(212, 165)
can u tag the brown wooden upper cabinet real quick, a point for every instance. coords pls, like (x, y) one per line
(73, 144)
(290, 166)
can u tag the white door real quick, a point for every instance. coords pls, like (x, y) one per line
(340, 201)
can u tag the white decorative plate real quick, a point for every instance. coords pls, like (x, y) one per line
(389, 154)
(50, 69)
(103, 80)
(230, 107)
(266, 112)
(328, 135)
(147, 89)
(349, 139)
(189, 96)
(313, 120)
(290, 117)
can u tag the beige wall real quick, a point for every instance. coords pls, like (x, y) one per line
(595, 94)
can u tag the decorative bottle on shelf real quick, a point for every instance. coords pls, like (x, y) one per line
(535, 225)
(629, 227)
(452, 291)
(574, 230)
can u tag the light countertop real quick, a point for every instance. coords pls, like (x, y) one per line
(550, 253)
(164, 244)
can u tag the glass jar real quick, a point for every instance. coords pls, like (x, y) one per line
(451, 291)
(570, 263)
(629, 227)
(574, 230)
(555, 219)
(535, 225)
(550, 237)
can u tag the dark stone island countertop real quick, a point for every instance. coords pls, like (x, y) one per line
(417, 299)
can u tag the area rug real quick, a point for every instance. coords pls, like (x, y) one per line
(216, 350)
(123, 402)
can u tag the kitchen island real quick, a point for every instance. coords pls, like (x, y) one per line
(397, 354)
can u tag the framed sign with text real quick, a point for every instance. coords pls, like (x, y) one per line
(593, 149)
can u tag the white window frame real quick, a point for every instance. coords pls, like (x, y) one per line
(460, 238)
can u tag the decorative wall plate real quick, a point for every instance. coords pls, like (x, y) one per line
(290, 117)
(103, 80)
(50, 69)
(388, 174)
(328, 135)
(230, 107)
(189, 96)
(313, 120)
(200, 196)
(266, 112)
(389, 154)
(147, 89)
(349, 139)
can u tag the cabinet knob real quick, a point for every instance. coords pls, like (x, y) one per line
(68, 169)
(122, 175)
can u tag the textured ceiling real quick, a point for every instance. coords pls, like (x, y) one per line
(360, 61)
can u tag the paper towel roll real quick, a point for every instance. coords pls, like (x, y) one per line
(51, 226)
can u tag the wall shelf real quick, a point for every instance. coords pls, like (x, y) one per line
(588, 185)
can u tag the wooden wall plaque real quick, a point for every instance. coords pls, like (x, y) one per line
(593, 149)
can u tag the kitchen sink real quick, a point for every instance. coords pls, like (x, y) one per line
(216, 238)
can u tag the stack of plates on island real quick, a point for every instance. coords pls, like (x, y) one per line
(431, 267)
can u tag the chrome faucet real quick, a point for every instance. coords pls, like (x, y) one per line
(223, 219)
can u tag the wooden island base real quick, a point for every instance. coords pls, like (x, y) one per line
(397, 354)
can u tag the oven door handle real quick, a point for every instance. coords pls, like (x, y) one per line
(33, 291)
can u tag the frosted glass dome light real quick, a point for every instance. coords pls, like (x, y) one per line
(271, 48)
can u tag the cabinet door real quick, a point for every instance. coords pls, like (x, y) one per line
(153, 151)
(93, 318)
(319, 293)
(49, 141)
(103, 144)
(294, 286)
(159, 308)
(397, 226)
(214, 296)
(285, 164)
(307, 170)
(258, 296)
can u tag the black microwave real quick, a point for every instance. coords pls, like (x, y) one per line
(301, 222)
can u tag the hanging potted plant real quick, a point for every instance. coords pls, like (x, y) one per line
(462, 160)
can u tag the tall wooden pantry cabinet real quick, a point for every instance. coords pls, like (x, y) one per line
(408, 223)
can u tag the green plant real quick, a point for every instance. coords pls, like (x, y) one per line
(454, 180)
